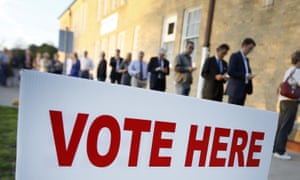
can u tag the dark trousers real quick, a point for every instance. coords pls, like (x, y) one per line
(219, 98)
(237, 101)
(3, 74)
(116, 78)
(159, 85)
(287, 116)
(186, 88)
(101, 78)
(85, 74)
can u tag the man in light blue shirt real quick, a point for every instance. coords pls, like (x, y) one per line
(138, 69)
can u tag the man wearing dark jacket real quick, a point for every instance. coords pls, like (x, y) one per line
(240, 81)
(101, 71)
(115, 63)
(159, 69)
(215, 74)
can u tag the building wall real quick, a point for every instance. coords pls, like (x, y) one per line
(275, 28)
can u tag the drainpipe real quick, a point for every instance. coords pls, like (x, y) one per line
(206, 44)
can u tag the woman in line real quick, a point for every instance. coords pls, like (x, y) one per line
(288, 110)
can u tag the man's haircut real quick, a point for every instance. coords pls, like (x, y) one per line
(248, 41)
(223, 47)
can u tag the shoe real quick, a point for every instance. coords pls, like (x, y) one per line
(284, 156)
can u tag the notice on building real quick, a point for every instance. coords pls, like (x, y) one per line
(71, 128)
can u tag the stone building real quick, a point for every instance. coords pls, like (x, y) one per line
(133, 25)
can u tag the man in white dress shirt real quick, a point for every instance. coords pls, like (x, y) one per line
(86, 66)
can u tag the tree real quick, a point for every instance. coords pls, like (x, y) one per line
(43, 49)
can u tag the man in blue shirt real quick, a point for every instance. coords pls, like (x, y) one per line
(138, 69)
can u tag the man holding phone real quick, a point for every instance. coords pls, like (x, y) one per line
(240, 81)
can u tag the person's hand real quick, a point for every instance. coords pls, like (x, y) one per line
(158, 69)
(250, 76)
(226, 76)
(191, 69)
(164, 70)
(219, 77)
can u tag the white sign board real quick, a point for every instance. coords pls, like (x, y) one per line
(72, 128)
(109, 24)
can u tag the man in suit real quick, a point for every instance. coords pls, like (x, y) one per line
(240, 81)
(159, 69)
(115, 63)
(215, 74)
(101, 71)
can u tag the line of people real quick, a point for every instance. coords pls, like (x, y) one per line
(239, 76)
(136, 72)
(216, 72)
(10, 65)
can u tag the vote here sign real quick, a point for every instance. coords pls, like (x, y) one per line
(72, 128)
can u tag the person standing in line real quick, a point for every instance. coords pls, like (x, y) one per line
(4, 66)
(214, 72)
(45, 65)
(101, 71)
(240, 80)
(75, 70)
(138, 71)
(86, 65)
(159, 69)
(69, 63)
(125, 78)
(37, 62)
(184, 70)
(115, 63)
(57, 66)
(28, 60)
(288, 110)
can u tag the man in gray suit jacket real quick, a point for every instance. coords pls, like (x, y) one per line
(184, 69)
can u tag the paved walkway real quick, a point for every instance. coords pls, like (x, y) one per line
(8, 95)
(285, 170)
(280, 169)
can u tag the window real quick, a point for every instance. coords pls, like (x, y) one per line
(96, 59)
(112, 45)
(96, 51)
(191, 28)
(122, 2)
(168, 36)
(169, 29)
(169, 46)
(80, 16)
(99, 11)
(105, 6)
(136, 40)
(104, 45)
(114, 4)
(268, 3)
(121, 41)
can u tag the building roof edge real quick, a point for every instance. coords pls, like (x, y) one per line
(66, 9)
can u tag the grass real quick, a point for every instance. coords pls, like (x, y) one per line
(8, 131)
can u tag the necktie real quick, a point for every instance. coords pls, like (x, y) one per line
(220, 66)
(161, 66)
(246, 69)
(141, 71)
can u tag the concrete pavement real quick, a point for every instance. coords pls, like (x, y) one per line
(8, 95)
(285, 169)
(280, 169)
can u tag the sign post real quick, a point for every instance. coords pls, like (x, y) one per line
(118, 132)
(65, 44)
